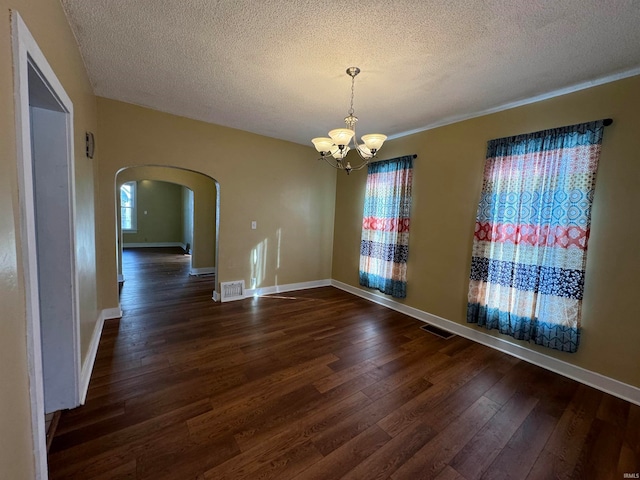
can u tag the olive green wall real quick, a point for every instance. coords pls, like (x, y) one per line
(159, 209)
(276, 183)
(204, 188)
(47, 23)
(446, 188)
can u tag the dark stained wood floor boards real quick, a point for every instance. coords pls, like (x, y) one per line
(319, 384)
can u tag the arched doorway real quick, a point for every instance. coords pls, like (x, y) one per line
(206, 208)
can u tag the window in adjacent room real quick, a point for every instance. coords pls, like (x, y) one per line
(128, 206)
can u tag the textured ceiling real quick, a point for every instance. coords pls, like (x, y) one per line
(277, 68)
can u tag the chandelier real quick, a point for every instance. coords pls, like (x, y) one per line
(334, 149)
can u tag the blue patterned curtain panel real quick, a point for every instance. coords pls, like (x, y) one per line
(531, 233)
(385, 226)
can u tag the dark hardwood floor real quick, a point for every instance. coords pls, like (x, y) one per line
(320, 384)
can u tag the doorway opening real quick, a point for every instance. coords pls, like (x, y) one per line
(44, 130)
(173, 207)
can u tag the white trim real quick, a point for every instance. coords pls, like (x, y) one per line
(111, 313)
(520, 103)
(23, 43)
(203, 271)
(153, 244)
(120, 278)
(289, 287)
(256, 292)
(25, 53)
(90, 359)
(582, 375)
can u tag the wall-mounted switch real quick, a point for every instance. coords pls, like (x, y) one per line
(254, 225)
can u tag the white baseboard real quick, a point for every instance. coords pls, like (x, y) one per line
(582, 375)
(203, 271)
(254, 292)
(153, 244)
(90, 359)
(109, 313)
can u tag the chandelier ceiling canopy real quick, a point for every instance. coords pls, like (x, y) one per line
(334, 148)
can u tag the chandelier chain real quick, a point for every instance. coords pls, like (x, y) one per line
(334, 149)
(353, 81)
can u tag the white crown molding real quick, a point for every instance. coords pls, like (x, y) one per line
(579, 374)
(520, 103)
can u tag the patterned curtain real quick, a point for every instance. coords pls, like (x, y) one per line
(385, 226)
(532, 228)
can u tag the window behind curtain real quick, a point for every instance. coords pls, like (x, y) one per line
(128, 205)
(385, 226)
(532, 228)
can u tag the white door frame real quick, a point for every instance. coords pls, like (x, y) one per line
(26, 55)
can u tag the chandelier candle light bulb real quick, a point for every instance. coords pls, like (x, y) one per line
(336, 146)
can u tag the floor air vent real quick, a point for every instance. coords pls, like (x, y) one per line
(231, 291)
(437, 331)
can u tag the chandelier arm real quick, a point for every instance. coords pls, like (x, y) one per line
(361, 166)
(352, 126)
(355, 143)
(357, 148)
(333, 163)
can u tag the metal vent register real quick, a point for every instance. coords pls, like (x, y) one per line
(437, 331)
(231, 291)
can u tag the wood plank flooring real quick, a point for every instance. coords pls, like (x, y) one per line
(320, 384)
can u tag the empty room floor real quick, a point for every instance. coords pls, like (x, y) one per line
(320, 384)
